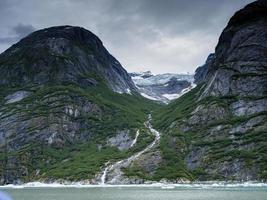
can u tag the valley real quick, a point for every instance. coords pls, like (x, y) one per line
(70, 113)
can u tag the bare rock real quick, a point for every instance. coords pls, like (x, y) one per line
(248, 107)
(122, 140)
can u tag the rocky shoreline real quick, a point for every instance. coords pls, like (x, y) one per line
(161, 184)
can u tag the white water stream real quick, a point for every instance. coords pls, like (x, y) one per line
(115, 167)
(135, 139)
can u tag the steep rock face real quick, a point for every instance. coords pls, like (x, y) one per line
(221, 129)
(239, 70)
(238, 77)
(240, 64)
(201, 72)
(62, 54)
(59, 103)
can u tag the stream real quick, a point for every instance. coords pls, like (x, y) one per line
(115, 168)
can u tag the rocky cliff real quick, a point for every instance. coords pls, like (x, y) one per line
(63, 54)
(218, 130)
(63, 98)
(202, 71)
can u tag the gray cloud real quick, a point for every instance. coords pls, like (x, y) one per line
(19, 31)
(7, 40)
(22, 30)
(157, 35)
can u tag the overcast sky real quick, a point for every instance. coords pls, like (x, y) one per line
(164, 36)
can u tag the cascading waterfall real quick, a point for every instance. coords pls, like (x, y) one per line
(103, 177)
(126, 162)
(135, 139)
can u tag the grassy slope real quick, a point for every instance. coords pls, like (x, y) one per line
(175, 144)
(83, 160)
(172, 142)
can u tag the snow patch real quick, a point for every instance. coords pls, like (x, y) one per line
(148, 97)
(162, 87)
(161, 79)
(171, 96)
(128, 91)
(137, 77)
(175, 96)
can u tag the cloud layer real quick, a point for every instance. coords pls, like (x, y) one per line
(17, 32)
(157, 35)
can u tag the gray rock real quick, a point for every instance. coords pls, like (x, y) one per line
(122, 140)
(240, 61)
(193, 160)
(206, 114)
(230, 134)
(246, 126)
(248, 107)
(201, 72)
(17, 96)
(63, 54)
(148, 162)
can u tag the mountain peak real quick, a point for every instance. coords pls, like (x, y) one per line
(72, 33)
(253, 11)
(62, 54)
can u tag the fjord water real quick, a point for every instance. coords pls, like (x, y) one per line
(139, 193)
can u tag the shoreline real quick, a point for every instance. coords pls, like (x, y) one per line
(196, 185)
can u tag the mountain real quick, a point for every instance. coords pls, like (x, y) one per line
(162, 87)
(201, 72)
(218, 131)
(62, 54)
(145, 74)
(66, 108)
(70, 112)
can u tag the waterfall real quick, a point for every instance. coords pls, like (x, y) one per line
(127, 161)
(135, 139)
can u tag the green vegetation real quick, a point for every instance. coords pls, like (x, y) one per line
(75, 160)
(180, 139)
(173, 143)
(115, 112)
(85, 160)
(173, 166)
(177, 110)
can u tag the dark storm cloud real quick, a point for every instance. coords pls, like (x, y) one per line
(179, 15)
(161, 35)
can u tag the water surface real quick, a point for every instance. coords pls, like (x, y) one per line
(138, 193)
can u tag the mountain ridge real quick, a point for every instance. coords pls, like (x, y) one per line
(67, 45)
(70, 105)
(68, 111)
(222, 127)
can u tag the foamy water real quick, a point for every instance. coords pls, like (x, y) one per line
(156, 185)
